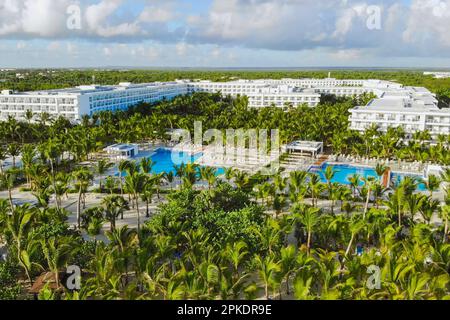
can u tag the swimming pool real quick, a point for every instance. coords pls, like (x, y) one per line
(345, 172)
(163, 162)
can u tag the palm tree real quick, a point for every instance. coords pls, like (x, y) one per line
(329, 176)
(3, 157)
(427, 208)
(288, 264)
(445, 176)
(61, 188)
(110, 184)
(7, 180)
(44, 117)
(13, 150)
(190, 175)
(147, 195)
(102, 167)
(297, 180)
(147, 165)
(356, 225)
(123, 166)
(381, 169)
(57, 252)
(82, 178)
(396, 203)
(444, 215)
(170, 178)
(29, 115)
(28, 155)
(157, 182)
(229, 173)
(369, 183)
(354, 183)
(279, 201)
(280, 183)
(309, 218)
(135, 183)
(236, 253)
(51, 151)
(208, 174)
(241, 179)
(315, 188)
(267, 270)
(413, 203)
(114, 206)
(19, 224)
(432, 184)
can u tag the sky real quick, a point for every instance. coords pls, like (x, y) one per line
(224, 33)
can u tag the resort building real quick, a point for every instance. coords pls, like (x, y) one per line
(438, 75)
(261, 93)
(413, 108)
(123, 151)
(73, 103)
(305, 147)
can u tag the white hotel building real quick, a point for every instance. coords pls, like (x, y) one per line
(73, 103)
(413, 108)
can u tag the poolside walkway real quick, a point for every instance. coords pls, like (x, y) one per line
(322, 159)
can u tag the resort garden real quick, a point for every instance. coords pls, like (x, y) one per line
(235, 236)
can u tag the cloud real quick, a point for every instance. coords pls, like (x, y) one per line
(21, 45)
(407, 28)
(100, 20)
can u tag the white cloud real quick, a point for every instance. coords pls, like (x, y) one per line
(45, 18)
(21, 45)
(428, 23)
(54, 46)
(107, 51)
(182, 48)
(420, 28)
(155, 14)
(346, 54)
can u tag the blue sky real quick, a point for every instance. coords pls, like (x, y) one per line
(225, 33)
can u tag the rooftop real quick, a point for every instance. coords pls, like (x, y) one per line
(305, 145)
(122, 147)
(402, 104)
(87, 89)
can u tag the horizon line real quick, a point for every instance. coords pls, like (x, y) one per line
(309, 68)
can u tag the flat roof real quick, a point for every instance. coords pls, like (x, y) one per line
(402, 105)
(305, 145)
(122, 147)
(87, 89)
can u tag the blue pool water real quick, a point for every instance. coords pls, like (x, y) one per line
(344, 172)
(162, 158)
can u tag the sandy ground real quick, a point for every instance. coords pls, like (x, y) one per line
(92, 200)
(130, 217)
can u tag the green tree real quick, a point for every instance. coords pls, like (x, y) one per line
(101, 169)
(82, 178)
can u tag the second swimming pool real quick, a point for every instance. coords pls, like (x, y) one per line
(345, 172)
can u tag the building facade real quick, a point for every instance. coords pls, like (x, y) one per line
(73, 103)
(413, 108)
(438, 75)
